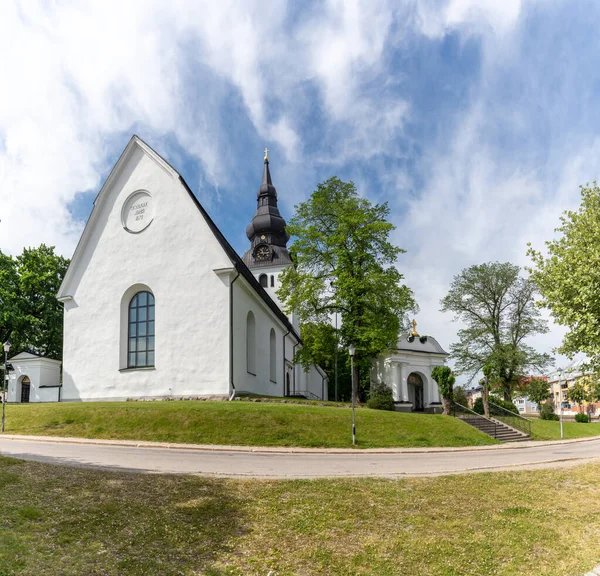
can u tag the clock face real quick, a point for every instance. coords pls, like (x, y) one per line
(262, 252)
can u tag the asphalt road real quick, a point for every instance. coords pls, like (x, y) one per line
(298, 465)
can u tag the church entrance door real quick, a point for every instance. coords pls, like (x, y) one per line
(25, 389)
(415, 386)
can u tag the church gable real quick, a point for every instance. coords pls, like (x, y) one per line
(144, 209)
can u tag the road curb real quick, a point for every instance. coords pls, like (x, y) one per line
(294, 450)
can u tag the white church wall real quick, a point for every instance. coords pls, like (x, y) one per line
(259, 382)
(173, 258)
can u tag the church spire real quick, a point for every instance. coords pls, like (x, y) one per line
(266, 231)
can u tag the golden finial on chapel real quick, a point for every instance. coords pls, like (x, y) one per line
(266, 154)
(414, 330)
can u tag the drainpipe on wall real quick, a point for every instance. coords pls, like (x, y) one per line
(294, 376)
(285, 336)
(231, 384)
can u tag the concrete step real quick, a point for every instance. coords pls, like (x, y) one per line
(497, 430)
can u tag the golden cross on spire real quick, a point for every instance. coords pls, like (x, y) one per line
(266, 154)
(414, 325)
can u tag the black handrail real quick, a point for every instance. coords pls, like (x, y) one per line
(464, 413)
(510, 418)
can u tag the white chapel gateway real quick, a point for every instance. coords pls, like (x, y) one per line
(157, 304)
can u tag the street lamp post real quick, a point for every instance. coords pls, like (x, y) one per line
(6, 347)
(351, 351)
(336, 356)
(560, 373)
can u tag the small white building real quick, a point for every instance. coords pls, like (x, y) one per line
(34, 379)
(407, 370)
(157, 303)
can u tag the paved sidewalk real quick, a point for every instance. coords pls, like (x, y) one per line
(594, 572)
(296, 463)
(295, 449)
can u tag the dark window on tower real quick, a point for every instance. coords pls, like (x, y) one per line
(272, 280)
(264, 281)
(140, 346)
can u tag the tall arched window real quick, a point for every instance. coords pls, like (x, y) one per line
(263, 280)
(140, 346)
(273, 356)
(251, 343)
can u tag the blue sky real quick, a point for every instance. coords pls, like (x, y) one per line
(476, 121)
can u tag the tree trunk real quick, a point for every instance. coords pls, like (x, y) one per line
(485, 397)
(447, 405)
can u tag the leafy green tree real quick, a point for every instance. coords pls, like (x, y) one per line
(460, 396)
(569, 277)
(9, 298)
(41, 272)
(345, 262)
(498, 309)
(578, 394)
(538, 391)
(445, 381)
(30, 315)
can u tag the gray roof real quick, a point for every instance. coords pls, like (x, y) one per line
(429, 346)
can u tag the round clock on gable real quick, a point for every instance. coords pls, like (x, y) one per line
(262, 252)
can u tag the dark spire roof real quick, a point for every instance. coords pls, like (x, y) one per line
(267, 225)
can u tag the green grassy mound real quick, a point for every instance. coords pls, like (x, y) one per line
(240, 423)
(59, 521)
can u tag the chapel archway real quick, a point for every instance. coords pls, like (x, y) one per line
(25, 389)
(416, 391)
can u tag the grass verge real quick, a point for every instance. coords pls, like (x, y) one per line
(240, 423)
(550, 430)
(68, 521)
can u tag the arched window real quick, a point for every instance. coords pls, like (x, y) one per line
(264, 281)
(140, 345)
(251, 343)
(273, 356)
(272, 280)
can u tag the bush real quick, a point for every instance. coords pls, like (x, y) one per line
(380, 397)
(478, 405)
(547, 412)
(504, 404)
(581, 417)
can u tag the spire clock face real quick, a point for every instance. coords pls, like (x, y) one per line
(262, 252)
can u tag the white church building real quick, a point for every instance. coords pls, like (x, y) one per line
(157, 304)
(407, 371)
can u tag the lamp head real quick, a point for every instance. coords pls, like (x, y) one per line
(7, 346)
(351, 349)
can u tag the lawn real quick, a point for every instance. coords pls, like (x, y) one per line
(72, 521)
(550, 430)
(240, 423)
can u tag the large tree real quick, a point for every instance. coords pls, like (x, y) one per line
(497, 307)
(538, 390)
(344, 262)
(30, 316)
(569, 277)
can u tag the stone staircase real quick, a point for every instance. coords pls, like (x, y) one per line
(496, 429)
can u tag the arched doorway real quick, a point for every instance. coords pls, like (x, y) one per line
(25, 389)
(415, 391)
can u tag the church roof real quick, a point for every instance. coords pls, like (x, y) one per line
(231, 253)
(421, 344)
